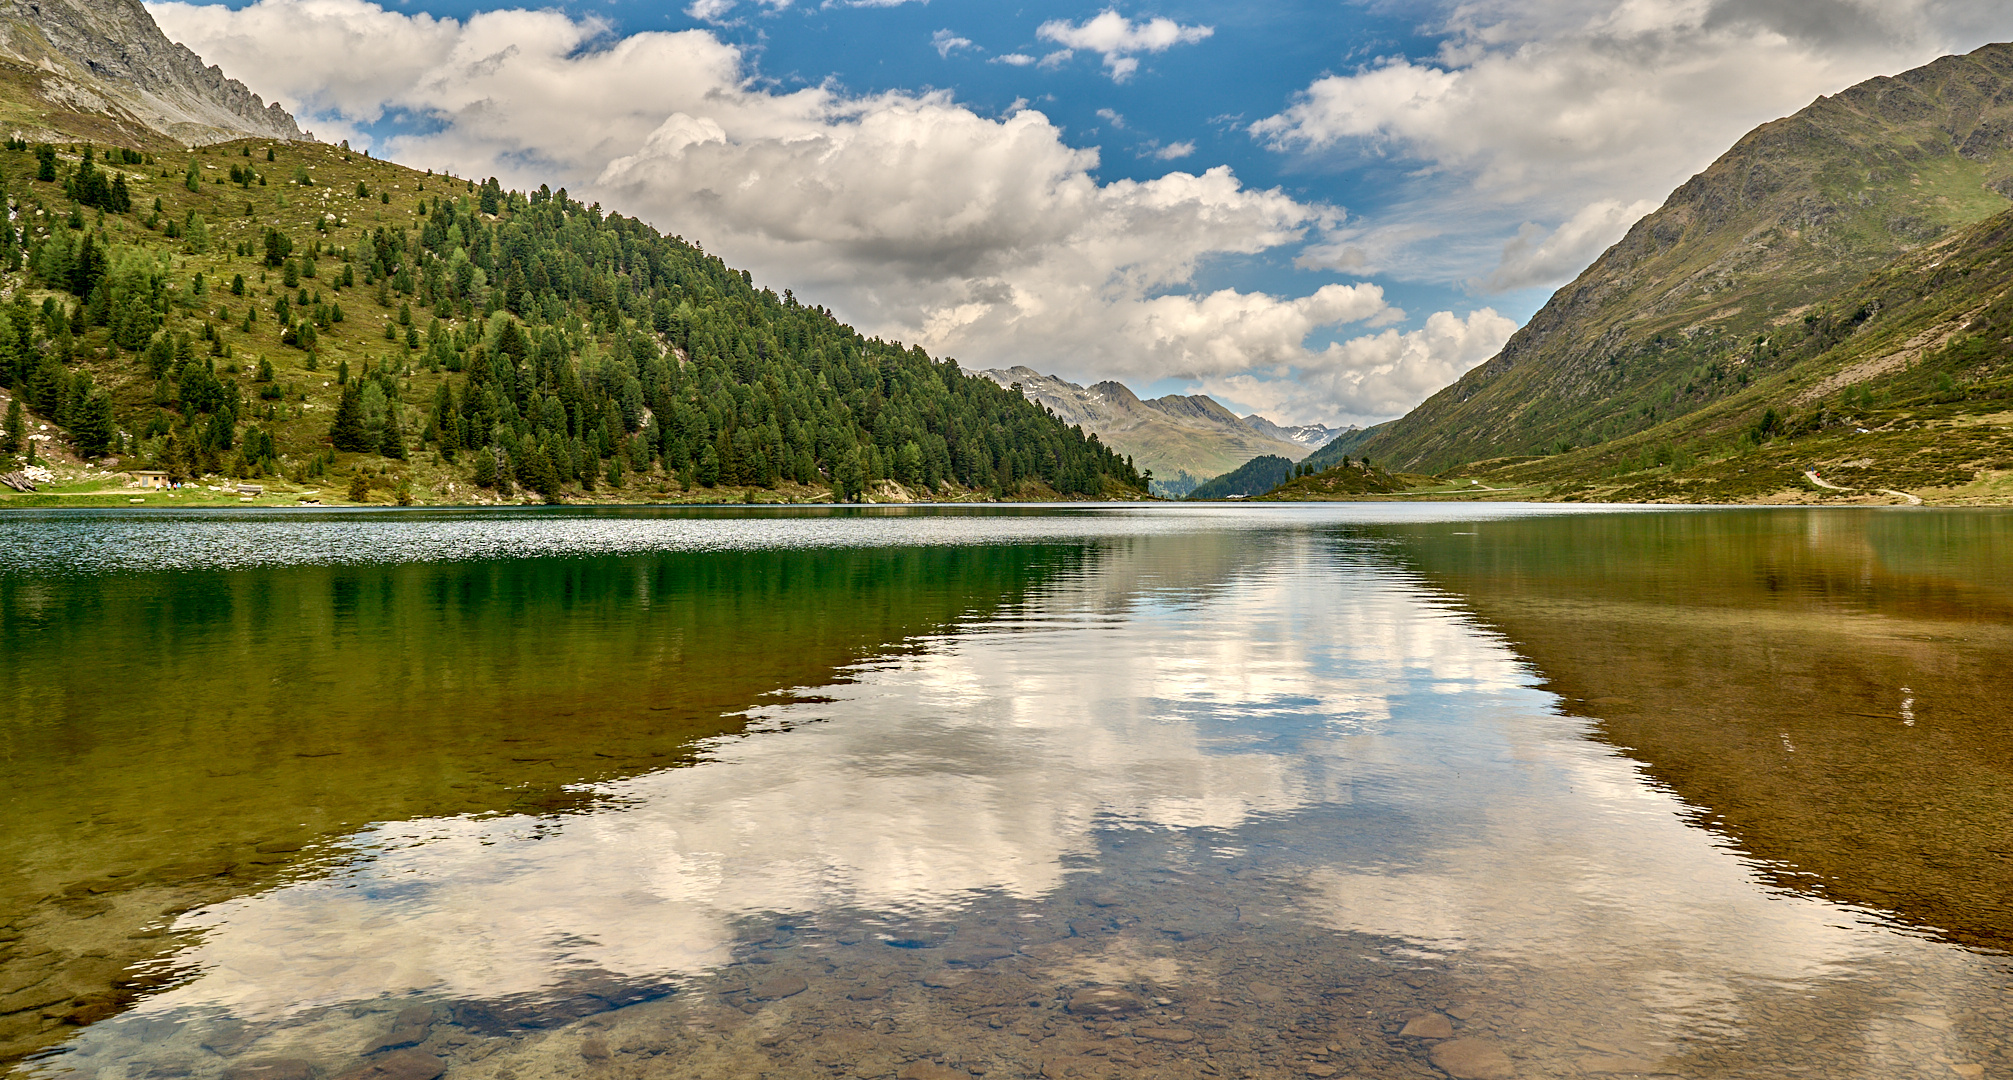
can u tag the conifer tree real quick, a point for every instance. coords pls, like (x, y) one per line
(541, 475)
(222, 430)
(94, 429)
(11, 442)
(347, 432)
(446, 421)
(849, 478)
(359, 488)
(278, 246)
(709, 466)
(171, 460)
(392, 443)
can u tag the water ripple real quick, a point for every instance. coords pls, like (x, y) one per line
(113, 541)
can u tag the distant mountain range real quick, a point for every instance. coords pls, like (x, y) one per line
(1312, 436)
(1173, 435)
(103, 69)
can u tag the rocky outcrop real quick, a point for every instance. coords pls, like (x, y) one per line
(109, 56)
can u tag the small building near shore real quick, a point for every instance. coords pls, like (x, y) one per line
(151, 478)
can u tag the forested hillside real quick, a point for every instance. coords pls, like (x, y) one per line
(1254, 477)
(298, 312)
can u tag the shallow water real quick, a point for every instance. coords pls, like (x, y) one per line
(1166, 791)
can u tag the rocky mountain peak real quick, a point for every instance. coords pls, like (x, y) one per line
(110, 57)
(1171, 435)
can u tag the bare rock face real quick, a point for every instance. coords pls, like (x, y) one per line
(109, 56)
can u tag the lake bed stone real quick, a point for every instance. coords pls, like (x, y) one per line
(1429, 1026)
(1104, 1001)
(1615, 1064)
(398, 1065)
(976, 955)
(275, 1069)
(1472, 1059)
(780, 987)
(929, 1070)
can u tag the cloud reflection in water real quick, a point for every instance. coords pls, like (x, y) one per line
(1274, 688)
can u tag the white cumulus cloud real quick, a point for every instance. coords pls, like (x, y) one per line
(988, 239)
(1228, 331)
(947, 42)
(1568, 116)
(1119, 40)
(1375, 376)
(716, 11)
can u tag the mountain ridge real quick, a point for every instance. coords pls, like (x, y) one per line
(109, 57)
(1312, 436)
(1666, 321)
(1173, 435)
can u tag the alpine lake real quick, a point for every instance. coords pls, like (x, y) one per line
(1183, 791)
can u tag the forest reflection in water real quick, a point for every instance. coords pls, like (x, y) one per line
(1297, 793)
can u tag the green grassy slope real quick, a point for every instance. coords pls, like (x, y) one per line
(582, 354)
(1899, 386)
(1345, 480)
(1902, 382)
(1684, 314)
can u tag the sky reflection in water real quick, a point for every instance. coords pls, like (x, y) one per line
(1293, 705)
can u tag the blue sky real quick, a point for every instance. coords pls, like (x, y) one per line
(1322, 211)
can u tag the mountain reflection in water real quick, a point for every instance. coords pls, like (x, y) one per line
(1281, 792)
(1825, 688)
